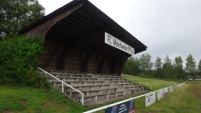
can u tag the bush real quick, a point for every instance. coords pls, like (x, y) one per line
(143, 75)
(19, 56)
(33, 79)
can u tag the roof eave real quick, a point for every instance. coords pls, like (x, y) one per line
(49, 16)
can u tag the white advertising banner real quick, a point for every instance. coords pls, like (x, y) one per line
(160, 94)
(114, 42)
(175, 87)
(165, 91)
(179, 85)
(150, 98)
(171, 88)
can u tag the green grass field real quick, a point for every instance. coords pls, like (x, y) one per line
(187, 99)
(30, 100)
(156, 83)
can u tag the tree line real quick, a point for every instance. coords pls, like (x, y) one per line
(163, 68)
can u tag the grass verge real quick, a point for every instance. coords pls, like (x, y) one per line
(186, 99)
(156, 83)
(30, 100)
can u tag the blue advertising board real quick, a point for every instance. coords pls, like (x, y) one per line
(126, 107)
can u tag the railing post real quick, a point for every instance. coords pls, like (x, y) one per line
(82, 99)
(62, 86)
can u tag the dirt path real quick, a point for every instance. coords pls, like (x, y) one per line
(197, 92)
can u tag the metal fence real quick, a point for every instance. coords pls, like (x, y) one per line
(123, 101)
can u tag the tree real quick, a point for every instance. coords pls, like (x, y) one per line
(16, 14)
(167, 67)
(158, 66)
(191, 66)
(145, 65)
(199, 68)
(145, 62)
(131, 66)
(178, 67)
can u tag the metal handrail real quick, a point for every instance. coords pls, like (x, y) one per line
(64, 83)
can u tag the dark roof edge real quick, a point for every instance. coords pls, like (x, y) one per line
(45, 18)
(97, 12)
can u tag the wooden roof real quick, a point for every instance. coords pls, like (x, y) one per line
(86, 25)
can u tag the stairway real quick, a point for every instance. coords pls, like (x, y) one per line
(97, 89)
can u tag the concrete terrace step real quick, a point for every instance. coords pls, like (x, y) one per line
(119, 81)
(103, 101)
(79, 82)
(96, 88)
(71, 76)
(108, 76)
(76, 78)
(96, 97)
(92, 90)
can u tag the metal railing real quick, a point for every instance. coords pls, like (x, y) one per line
(120, 102)
(107, 106)
(64, 83)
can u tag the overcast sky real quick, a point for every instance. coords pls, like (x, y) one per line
(166, 27)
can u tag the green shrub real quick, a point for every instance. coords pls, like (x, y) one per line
(19, 59)
(33, 79)
(144, 75)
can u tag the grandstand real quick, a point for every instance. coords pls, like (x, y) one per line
(87, 50)
(97, 89)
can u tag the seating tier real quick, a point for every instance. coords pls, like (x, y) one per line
(95, 87)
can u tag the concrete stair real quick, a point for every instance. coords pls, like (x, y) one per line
(97, 89)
